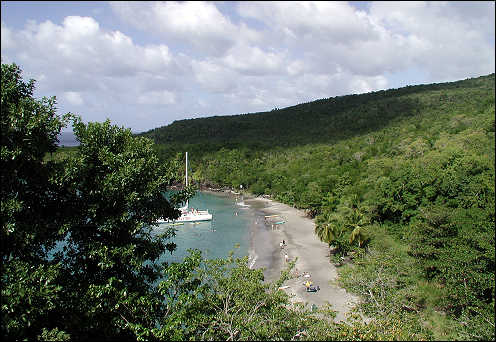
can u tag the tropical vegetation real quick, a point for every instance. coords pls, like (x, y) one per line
(399, 181)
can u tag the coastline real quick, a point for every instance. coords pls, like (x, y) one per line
(302, 245)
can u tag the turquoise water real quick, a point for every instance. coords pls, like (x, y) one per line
(229, 229)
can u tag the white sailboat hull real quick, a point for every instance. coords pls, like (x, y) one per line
(191, 216)
(194, 217)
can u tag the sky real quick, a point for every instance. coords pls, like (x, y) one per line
(146, 64)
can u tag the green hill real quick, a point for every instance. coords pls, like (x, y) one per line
(402, 180)
(322, 121)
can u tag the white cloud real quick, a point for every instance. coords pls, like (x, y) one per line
(444, 37)
(79, 27)
(228, 58)
(451, 40)
(295, 67)
(80, 44)
(329, 20)
(193, 22)
(252, 60)
(163, 97)
(74, 98)
(359, 85)
(6, 34)
(212, 76)
(78, 54)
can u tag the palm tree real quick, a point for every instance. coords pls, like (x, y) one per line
(331, 226)
(357, 221)
(325, 232)
(358, 235)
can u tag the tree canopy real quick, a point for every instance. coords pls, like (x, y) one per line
(402, 181)
(76, 233)
(401, 174)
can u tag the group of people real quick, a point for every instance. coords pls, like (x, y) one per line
(308, 283)
(310, 287)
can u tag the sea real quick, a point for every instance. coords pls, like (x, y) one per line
(67, 139)
(228, 231)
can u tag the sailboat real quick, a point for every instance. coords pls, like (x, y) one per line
(190, 214)
(242, 203)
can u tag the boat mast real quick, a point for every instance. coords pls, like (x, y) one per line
(187, 176)
(186, 169)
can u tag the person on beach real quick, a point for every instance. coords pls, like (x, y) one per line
(308, 284)
(281, 245)
(310, 287)
(286, 257)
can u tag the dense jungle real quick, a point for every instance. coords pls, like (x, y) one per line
(401, 180)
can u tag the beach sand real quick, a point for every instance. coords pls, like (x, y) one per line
(302, 245)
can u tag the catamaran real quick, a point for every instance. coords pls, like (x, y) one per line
(190, 214)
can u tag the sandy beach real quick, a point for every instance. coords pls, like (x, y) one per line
(302, 245)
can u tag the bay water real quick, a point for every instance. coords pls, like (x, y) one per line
(229, 229)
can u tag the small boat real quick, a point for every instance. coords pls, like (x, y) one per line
(242, 204)
(190, 214)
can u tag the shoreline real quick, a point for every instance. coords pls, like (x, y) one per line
(302, 245)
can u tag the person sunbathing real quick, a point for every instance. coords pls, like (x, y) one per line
(310, 287)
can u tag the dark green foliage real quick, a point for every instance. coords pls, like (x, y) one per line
(322, 121)
(401, 180)
(223, 300)
(78, 251)
(29, 130)
(418, 161)
(75, 232)
(29, 229)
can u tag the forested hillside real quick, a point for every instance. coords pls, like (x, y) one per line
(401, 180)
(322, 121)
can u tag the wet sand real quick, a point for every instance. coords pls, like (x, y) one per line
(302, 245)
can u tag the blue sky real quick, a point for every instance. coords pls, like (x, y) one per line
(145, 64)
